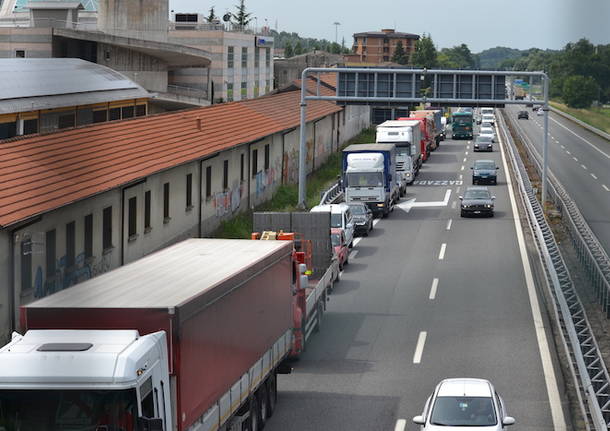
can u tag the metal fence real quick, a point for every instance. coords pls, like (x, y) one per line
(587, 365)
(333, 195)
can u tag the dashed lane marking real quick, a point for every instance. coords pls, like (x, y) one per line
(353, 254)
(419, 349)
(580, 137)
(462, 168)
(453, 205)
(449, 223)
(401, 424)
(594, 176)
(433, 289)
(575, 159)
(441, 254)
(605, 188)
(584, 167)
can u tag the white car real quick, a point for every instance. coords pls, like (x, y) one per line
(540, 111)
(340, 217)
(488, 132)
(488, 118)
(464, 404)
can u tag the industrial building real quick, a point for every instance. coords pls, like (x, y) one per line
(79, 202)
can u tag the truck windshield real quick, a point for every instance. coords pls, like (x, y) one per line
(67, 410)
(365, 179)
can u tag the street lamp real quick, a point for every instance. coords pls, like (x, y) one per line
(336, 24)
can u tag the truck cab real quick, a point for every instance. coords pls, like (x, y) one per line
(116, 379)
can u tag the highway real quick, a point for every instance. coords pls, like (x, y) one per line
(580, 160)
(428, 295)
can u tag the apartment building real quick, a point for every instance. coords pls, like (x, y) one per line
(241, 57)
(378, 47)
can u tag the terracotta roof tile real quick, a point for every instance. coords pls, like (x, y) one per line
(312, 85)
(44, 172)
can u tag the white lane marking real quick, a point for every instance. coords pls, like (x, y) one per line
(461, 177)
(441, 254)
(543, 345)
(449, 223)
(401, 424)
(466, 153)
(568, 153)
(453, 205)
(406, 206)
(462, 168)
(419, 349)
(605, 187)
(433, 289)
(457, 190)
(575, 159)
(464, 159)
(563, 147)
(357, 240)
(594, 176)
(584, 167)
(375, 222)
(580, 137)
(353, 254)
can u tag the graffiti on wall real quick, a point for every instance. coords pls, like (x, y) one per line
(264, 180)
(228, 202)
(64, 277)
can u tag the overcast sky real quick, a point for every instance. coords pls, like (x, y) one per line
(481, 24)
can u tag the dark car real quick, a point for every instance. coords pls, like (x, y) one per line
(483, 143)
(477, 201)
(363, 218)
(523, 114)
(484, 171)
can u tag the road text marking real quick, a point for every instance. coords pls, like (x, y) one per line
(441, 254)
(434, 288)
(419, 349)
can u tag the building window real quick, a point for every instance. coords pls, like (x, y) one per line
(100, 116)
(70, 244)
(244, 89)
(244, 57)
(26, 264)
(88, 236)
(65, 121)
(225, 175)
(231, 57)
(386, 58)
(30, 126)
(257, 57)
(166, 218)
(20, 53)
(229, 91)
(256, 90)
(267, 86)
(127, 112)
(107, 229)
(132, 215)
(268, 57)
(241, 167)
(189, 191)
(208, 182)
(254, 162)
(50, 253)
(147, 226)
(267, 157)
(114, 114)
(140, 110)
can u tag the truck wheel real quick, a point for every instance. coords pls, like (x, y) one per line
(271, 395)
(263, 405)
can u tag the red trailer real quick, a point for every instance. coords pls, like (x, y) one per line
(220, 311)
(425, 136)
(431, 130)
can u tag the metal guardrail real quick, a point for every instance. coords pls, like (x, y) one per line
(333, 195)
(587, 366)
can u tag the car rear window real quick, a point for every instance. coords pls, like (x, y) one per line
(463, 412)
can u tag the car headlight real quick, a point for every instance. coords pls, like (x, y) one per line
(488, 206)
(380, 205)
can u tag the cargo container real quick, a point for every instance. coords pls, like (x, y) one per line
(188, 338)
(406, 136)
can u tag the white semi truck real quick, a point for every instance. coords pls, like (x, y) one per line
(406, 136)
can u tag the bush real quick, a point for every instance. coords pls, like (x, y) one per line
(579, 91)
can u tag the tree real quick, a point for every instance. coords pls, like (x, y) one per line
(288, 50)
(459, 56)
(298, 48)
(212, 16)
(400, 56)
(425, 53)
(579, 91)
(241, 18)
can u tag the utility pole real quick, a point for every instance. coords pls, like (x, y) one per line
(336, 24)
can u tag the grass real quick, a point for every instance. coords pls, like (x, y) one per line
(596, 117)
(286, 196)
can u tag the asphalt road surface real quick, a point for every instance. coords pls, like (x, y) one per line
(580, 160)
(428, 295)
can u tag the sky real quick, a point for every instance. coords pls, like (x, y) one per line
(480, 24)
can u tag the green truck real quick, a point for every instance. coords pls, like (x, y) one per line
(462, 127)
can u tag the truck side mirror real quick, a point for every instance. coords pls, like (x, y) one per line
(149, 424)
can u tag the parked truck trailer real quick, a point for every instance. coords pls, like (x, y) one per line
(189, 338)
(406, 136)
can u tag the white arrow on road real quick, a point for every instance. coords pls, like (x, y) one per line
(406, 206)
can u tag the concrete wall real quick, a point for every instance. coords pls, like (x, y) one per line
(243, 191)
(36, 42)
(287, 70)
(139, 19)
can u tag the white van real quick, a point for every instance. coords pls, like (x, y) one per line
(341, 217)
(487, 111)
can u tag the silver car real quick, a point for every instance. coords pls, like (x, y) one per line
(459, 404)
